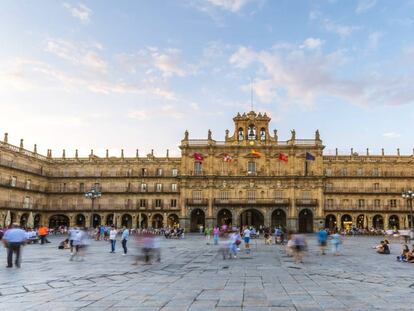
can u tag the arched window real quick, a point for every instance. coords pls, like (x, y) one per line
(262, 134)
(240, 134)
(251, 133)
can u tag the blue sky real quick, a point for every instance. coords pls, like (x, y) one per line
(137, 74)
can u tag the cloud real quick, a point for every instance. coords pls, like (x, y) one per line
(312, 43)
(139, 115)
(365, 5)
(195, 106)
(229, 5)
(81, 12)
(168, 111)
(77, 53)
(391, 135)
(298, 76)
(374, 40)
(341, 30)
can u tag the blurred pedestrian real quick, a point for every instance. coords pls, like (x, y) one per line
(246, 237)
(300, 247)
(125, 236)
(13, 240)
(112, 238)
(216, 232)
(336, 244)
(322, 239)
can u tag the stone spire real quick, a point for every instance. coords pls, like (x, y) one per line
(107, 153)
(382, 151)
(21, 144)
(76, 153)
(122, 153)
(35, 148)
(168, 153)
(64, 154)
(6, 138)
(186, 135)
(137, 153)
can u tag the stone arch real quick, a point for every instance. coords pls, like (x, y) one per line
(173, 220)
(109, 221)
(346, 221)
(360, 221)
(252, 217)
(394, 222)
(143, 221)
(126, 221)
(330, 222)
(224, 217)
(157, 221)
(58, 220)
(23, 220)
(197, 220)
(37, 219)
(96, 220)
(278, 218)
(305, 221)
(80, 220)
(378, 222)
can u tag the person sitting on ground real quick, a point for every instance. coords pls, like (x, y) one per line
(383, 248)
(64, 244)
(404, 252)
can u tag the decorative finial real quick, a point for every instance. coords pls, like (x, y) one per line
(6, 138)
(122, 153)
(367, 151)
(382, 151)
(107, 153)
(137, 154)
(209, 135)
(76, 153)
(293, 134)
(398, 151)
(152, 152)
(91, 152)
(64, 154)
(336, 151)
(168, 153)
(317, 135)
(35, 148)
(186, 135)
(21, 144)
(227, 134)
(352, 151)
(275, 135)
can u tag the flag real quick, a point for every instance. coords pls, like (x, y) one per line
(310, 156)
(283, 157)
(255, 153)
(227, 158)
(198, 157)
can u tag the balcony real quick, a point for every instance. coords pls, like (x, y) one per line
(267, 202)
(14, 205)
(22, 167)
(306, 202)
(6, 182)
(197, 202)
(366, 190)
(363, 208)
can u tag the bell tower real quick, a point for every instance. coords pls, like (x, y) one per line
(251, 129)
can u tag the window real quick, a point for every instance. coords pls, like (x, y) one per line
(361, 203)
(376, 186)
(240, 134)
(81, 187)
(173, 202)
(344, 172)
(329, 202)
(329, 186)
(197, 195)
(198, 168)
(251, 195)
(174, 172)
(375, 172)
(26, 202)
(158, 203)
(158, 187)
(328, 172)
(174, 187)
(143, 187)
(278, 194)
(143, 203)
(251, 133)
(393, 203)
(13, 181)
(360, 172)
(251, 167)
(97, 186)
(63, 187)
(377, 203)
(143, 172)
(159, 171)
(262, 134)
(28, 184)
(306, 194)
(345, 202)
(224, 195)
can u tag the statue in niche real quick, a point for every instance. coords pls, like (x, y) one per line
(209, 135)
(186, 135)
(241, 135)
(293, 134)
(275, 134)
(262, 134)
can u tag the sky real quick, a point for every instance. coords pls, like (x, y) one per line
(136, 74)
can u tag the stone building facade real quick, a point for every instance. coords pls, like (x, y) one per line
(250, 178)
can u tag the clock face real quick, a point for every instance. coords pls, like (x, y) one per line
(251, 143)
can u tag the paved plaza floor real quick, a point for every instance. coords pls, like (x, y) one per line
(191, 276)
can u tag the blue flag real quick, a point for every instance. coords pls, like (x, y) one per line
(310, 157)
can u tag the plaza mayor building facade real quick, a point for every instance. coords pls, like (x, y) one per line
(250, 178)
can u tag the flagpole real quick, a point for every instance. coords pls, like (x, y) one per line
(306, 167)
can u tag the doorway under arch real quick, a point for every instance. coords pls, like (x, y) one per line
(96, 220)
(173, 221)
(330, 222)
(224, 217)
(378, 222)
(80, 220)
(252, 217)
(23, 220)
(126, 221)
(36, 221)
(198, 220)
(305, 221)
(360, 222)
(143, 223)
(394, 222)
(58, 220)
(157, 221)
(279, 218)
(109, 220)
(346, 222)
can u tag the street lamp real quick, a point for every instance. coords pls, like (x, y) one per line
(93, 194)
(408, 196)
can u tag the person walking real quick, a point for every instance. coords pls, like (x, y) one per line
(13, 240)
(216, 232)
(125, 236)
(43, 231)
(112, 238)
(322, 239)
(336, 243)
(246, 237)
(71, 236)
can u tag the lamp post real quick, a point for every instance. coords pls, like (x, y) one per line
(93, 194)
(408, 196)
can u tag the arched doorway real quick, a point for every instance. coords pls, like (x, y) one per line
(252, 217)
(394, 222)
(12, 217)
(346, 222)
(96, 220)
(378, 222)
(157, 221)
(330, 222)
(143, 223)
(126, 221)
(36, 220)
(279, 218)
(173, 221)
(23, 220)
(198, 220)
(80, 220)
(58, 220)
(360, 223)
(305, 221)
(109, 219)
(224, 217)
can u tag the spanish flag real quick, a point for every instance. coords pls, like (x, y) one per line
(198, 157)
(255, 153)
(283, 157)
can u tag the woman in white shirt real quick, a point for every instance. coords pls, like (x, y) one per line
(112, 238)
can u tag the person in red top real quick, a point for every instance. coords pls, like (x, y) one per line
(43, 232)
